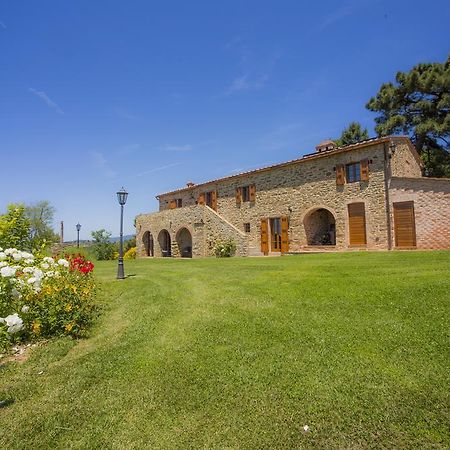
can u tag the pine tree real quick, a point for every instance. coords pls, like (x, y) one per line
(418, 105)
(352, 134)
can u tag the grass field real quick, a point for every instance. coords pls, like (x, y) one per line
(242, 353)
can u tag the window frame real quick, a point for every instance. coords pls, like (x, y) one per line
(245, 193)
(353, 172)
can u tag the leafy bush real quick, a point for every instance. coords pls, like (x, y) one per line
(225, 249)
(43, 297)
(130, 253)
(102, 248)
(15, 228)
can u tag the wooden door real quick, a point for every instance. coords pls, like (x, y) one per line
(404, 225)
(275, 234)
(357, 224)
(284, 235)
(264, 237)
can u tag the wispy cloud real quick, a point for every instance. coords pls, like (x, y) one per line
(158, 169)
(246, 83)
(345, 10)
(124, 114)
(2, 25)
(101, 163)
(50, 103)
(128, 149)
(177, 148)
(254, 69)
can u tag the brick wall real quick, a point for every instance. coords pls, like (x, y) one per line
(431, 197)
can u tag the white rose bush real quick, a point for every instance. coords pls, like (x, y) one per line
(44, 296)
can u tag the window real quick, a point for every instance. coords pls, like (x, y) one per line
(247, 227)
(246, 193)
(179, 202)
(353, 172)
(209, 199)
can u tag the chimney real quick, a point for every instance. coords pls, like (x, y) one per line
(190, 184)
(326, 145)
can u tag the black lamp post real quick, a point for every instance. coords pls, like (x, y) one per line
(122, 197)
(78, 234)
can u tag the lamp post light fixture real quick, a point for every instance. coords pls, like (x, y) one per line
(122, 198)
(78, 234)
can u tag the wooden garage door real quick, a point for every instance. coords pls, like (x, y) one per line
(404, 223)
(357, 224)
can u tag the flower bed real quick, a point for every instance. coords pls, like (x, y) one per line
(44, 297)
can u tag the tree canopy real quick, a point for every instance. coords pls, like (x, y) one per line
(418, 105)
(40, 216)
(352, 134)
(27, 227)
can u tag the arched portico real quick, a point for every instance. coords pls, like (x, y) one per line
(147, 240)
(165, 243)
(320, 227)
(184, 242)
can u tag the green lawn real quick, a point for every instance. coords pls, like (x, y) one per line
(242, 353)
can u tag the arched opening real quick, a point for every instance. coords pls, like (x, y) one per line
(147, 240)
(184, 241)
(320, 227)
(165, 243)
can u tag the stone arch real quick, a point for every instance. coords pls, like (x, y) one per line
(149, 247)
(184, 242)
(165, 243)
(320, 227)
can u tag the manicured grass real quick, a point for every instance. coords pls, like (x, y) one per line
(242, 353)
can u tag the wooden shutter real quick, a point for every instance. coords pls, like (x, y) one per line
(364, 170)
(252, 193)
(201, 199)
(264, 237)
(284, 234)
(404, 223)
(172, 204)
(214, 200)
(340, 174)
(357, 224)
(238, 196)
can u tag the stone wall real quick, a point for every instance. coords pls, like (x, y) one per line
(431, 197)
(405, 162)
(298, 189)
(295, 190)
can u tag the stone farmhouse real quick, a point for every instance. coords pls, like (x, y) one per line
(366, 196)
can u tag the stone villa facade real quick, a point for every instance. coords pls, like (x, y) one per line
(370, 195)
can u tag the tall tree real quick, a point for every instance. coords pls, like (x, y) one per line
(41, 216)
(418, 105)
(352, 134)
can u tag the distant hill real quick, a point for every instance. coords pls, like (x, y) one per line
(126, 237)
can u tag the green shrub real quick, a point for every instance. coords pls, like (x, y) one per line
(225, 249)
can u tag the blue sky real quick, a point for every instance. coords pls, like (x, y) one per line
(149, 95)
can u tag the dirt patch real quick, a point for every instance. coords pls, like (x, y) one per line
(18, 353)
